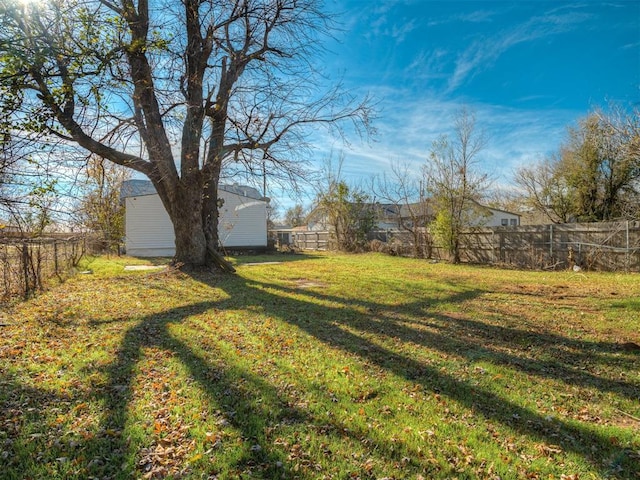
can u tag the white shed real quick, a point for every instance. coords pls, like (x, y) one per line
(149, 233)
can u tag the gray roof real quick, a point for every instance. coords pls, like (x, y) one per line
(136, 188)
(139, 188)
(242, 190)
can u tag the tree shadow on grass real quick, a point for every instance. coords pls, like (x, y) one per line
(251, 404)
(220, 382)
(26, 438)
(241, 399)
(105, 452)
(325, 317)
(421, 323)
(278, 257)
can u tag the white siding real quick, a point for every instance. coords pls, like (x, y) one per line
(149, 232)
(242, 222)
(497, 217)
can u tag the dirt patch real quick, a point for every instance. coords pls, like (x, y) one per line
(625, 420)
(141, 268)
(260, 263)
(304, 283)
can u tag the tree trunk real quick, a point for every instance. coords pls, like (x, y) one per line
(210, 213)
(195, 247)
(210, 216)
(191, 245)
(455, 255)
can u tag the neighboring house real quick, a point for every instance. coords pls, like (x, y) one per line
(493, 217)
(386, 217)
(389, 216)
(285, 234)
(149, 232)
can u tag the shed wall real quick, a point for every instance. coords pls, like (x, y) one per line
(242, 222)
(149, 232)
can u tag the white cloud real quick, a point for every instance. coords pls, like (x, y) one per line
(477, 16)
(400, 32)
(409, 125)
(631, 46)
(428, 65)
(483, 53)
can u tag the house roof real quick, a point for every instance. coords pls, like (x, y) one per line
(242, 190)
(497, 209)
(140, 188)
(136, 188)
(390, 212)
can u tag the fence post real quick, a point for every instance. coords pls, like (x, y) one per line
(55, 257)
(627, 256)
(37, 280)
(25, 268)
(493, 245)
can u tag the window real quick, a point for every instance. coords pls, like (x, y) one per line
(504, 222)
(514, 222)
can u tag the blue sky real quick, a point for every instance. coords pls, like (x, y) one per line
(528, 69)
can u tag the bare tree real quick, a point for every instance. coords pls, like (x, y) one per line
(344, 209)
(176, 91)
(619, 143)
(594, 176)
(545, 191)
(455, 181)
(30, 197)
(404, 190)
(349, 213)
(294, 216)
(100, 209)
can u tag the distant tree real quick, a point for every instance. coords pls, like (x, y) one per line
(601, 163)
(7, 164)
(13, 186)
(624, 127)
(294, 216)
(504, 198)
(350, 215)
(595, 176)
(101, 209)
(455, 182)
(546, 191)
(34, 220)
(177, 91)
(273, 213)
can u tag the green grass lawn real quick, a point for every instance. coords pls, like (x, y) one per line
(323, 366)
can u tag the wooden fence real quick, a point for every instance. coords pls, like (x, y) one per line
(611, 246)
(304, 240)
(27, 264)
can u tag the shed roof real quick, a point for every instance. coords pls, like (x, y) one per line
(139, 188)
